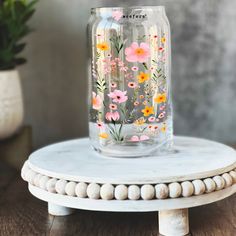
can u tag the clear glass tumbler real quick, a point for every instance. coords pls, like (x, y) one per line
(130, 111)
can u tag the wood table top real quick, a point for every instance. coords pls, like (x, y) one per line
(23, 214)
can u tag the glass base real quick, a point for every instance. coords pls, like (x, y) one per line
(157, 143)
(135, 151)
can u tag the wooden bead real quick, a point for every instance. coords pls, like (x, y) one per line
(199, 187)
(187, 189)
(210, 185)
(134, 192)
(174, 190)
(107, 192)
(228, 179)
(220, 182)
(43, 181)
(36, 180)
(30, 176)
(50, 185)
(233, 175)
(24, 170)
(121, 192)
(60, 186)
(70, 188)
(147, 192)
(93, 191)
(81, 190)
(162, 191)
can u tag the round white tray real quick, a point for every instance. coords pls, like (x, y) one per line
(72, 175)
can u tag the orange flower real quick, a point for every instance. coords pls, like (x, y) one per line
(140, 121)
(163, 39)
(103, 135)
(103, 46)
(160, 98)
(142, 77)
(163, 128)
(147, 111)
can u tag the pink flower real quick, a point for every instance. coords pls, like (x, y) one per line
(161, 115)
(151, 119)
(112, 116)
(113, 106)
(113, 85)
(153, 127)
(136, 53)
(100, 125)
(134, 68)
(117, 15)
(107, 70)
(136, 103)
(118, 96)
(96, 101)
(121, 63)
(99, 35)
(162, 108)
(144, 137)
(113, 63)
(124, 68)
(135, 138)
(132, 85)
(109, 55)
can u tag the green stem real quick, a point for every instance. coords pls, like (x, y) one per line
(145, 65)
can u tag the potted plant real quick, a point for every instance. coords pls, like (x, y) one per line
(14, 15)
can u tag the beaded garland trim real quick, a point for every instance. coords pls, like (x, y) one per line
(129, 192)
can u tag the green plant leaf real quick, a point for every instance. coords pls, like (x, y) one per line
(19, 61)
(14, 15)
(18, 48)
(101, 84)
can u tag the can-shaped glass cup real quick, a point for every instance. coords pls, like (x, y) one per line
(130, 108)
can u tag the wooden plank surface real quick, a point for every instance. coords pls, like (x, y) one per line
(23, 214)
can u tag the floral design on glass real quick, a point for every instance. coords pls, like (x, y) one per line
(130, 92)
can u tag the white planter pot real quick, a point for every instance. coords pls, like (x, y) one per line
(11, 103)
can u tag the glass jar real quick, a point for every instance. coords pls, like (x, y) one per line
(130, 111)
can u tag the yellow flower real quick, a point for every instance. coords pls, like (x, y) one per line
(140, 121)
(142, 77)
(163, 39)
(103, 46)
(103, 135)
(163, 128)
(147, 111)
(160, 98)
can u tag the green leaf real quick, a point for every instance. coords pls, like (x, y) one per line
(14, 15)
(145, 65)
(19, 61)
(18, 48)
(120, 129)
(28, 15)
(101, 84)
